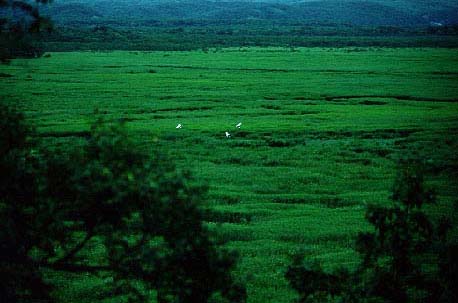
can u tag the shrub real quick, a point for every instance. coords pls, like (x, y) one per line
(407, 258)
(143, 211)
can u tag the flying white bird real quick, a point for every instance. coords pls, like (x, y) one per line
(228, 135)
(179, 126)
(238, 125)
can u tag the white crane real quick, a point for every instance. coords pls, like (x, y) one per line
(179, 126)
(239, 125)
(228, 135)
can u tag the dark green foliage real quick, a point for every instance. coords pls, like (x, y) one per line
(55, 205)
(21, 279)
(20, 22)
(319, 286)
(407, 258)
(207, 34)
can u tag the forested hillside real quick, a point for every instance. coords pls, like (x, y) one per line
(190, 25)
(356, 12)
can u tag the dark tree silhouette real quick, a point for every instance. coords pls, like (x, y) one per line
(55, 207)
(407, 258)
(20, 23)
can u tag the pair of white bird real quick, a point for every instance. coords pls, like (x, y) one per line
(228, 135)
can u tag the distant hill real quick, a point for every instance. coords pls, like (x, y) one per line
(357, 12)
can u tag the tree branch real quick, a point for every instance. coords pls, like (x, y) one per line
(70, 254)
(76, 268)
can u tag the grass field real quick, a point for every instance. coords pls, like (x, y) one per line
(322, 132)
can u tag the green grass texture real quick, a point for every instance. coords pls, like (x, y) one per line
(322, 131)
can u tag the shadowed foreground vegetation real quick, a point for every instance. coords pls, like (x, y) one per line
(407, 258)
(131, 223)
